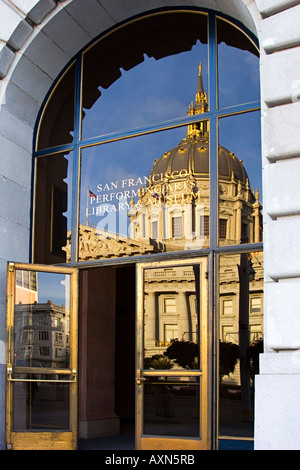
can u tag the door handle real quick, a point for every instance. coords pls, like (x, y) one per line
(139, 378)
(9, 372)
(73, 377)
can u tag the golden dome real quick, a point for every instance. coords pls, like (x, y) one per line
(191, 157)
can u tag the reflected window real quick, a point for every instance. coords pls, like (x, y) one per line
(222, 228)
(177, 227)
(43, 335)
(204, 225)
(171, 333)
(255, 305)
(26, 279)
(154, 229)
(170, 305)
(227, 307)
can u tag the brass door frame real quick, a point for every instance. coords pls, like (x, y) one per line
(144, 442)
(41, 440)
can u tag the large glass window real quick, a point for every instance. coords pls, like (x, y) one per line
(53, 208)
(150, 143)
(142, 191)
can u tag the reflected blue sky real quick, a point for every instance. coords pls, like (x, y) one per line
(153, 91)
(54, 287)
(238, 74)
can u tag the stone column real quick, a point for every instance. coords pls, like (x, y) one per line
(150, 326)
(184, 324)
(238, 222)
(256, 219)
(188, 221)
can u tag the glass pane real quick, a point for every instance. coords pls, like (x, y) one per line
(238, 66)
(240, 340)
(144, 195)
(145, 72)
(40, 406)
(57, 123)
(240, 179)
(42, 319)
(53, 197)
(172, 317)
(171, 406)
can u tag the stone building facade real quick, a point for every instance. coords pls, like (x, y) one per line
(38, 38)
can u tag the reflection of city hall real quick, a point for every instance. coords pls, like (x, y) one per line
(55, 59)
(172, 214)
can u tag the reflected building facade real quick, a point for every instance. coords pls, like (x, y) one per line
(42, 329)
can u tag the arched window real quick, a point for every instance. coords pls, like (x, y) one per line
(149, 146)
(147, 118)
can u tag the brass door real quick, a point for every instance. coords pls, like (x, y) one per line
(41, 386)
(172, 408)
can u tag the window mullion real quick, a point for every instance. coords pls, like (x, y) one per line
(213, 135)
(76, 161)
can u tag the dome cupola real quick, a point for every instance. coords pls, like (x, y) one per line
(191, 155)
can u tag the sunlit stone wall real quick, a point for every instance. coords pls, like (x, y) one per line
(277, 418)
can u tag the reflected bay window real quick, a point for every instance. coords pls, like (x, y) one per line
(155, 229)
(222, 228)
(204, 226)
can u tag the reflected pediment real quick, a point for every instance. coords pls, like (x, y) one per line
(97, 244)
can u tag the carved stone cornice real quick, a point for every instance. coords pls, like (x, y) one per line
(97, 244)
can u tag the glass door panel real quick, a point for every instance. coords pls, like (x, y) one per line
(172, 355)
(41, 357)
(168, 400)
